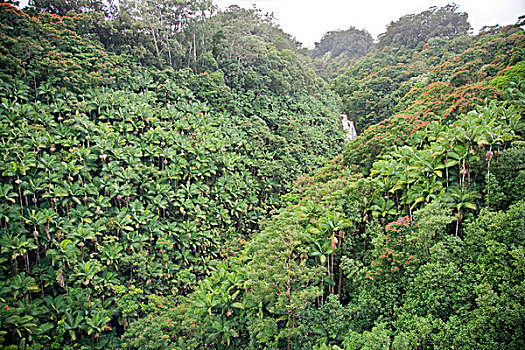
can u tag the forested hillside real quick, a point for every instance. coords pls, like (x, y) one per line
(175, 177)
(124, 177)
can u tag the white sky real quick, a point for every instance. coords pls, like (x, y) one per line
(308, 20)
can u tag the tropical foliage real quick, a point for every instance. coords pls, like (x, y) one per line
(173, 177)
(121, 181)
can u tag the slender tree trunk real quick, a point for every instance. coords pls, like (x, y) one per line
(489, 159)
(290, 314)
(322, 290)
(194, 48)
(155, 41)
(21, 198)
(288, 338)
(328, 267)
(468, 176)
(332, 266)
(460, 216)
(446, 171)
(169, 52)
(340, 281)
(189, 56)
(465, 173)
(27, 262)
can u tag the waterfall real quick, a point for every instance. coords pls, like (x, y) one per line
(349, 127)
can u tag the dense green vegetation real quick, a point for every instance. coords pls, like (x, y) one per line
(340, 49)
(175, 178)
(119, 175)
(389, 80)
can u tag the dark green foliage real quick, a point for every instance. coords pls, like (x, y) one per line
(431, 97)
(426, 80)
(437, 277)
(124, 185)
(399, 259)
(509, 175)
(255, 55)
(416, 29)
(495, 261)
(352, 43)
(144, 207)
(327, 324)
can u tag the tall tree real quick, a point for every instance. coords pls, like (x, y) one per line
(171, 27)
(410, 30)
(352, 43)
